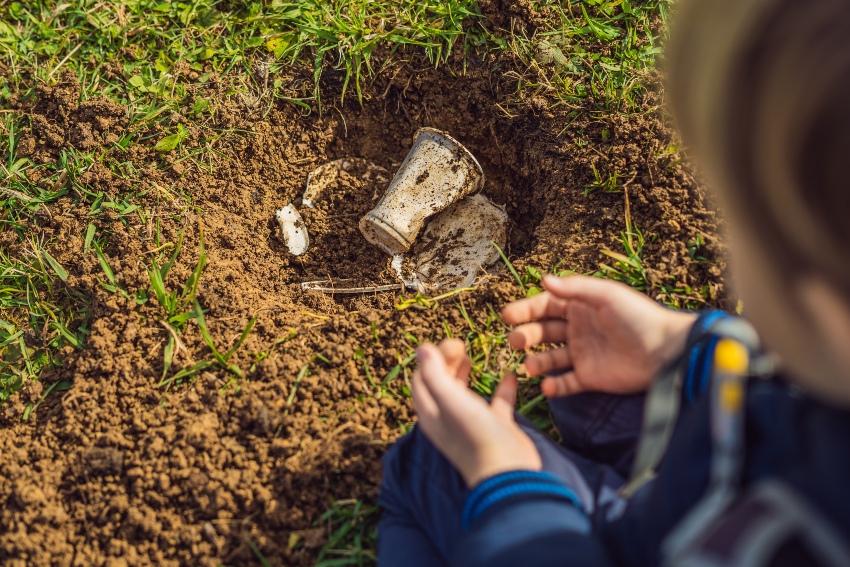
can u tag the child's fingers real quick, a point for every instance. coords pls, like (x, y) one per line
(504, 398)
(542, 362)
(457, 363)
(441, 385)
(458, 407)
(464, 371)
(532, 334)
(424, 404)
(562, 385)
(594, 291)
(541, 306)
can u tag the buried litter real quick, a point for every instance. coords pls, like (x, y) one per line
(432, 219)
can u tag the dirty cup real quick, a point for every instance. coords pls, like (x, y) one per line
(437, 172)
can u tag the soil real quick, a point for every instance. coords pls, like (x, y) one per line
(117, 471)
(339, 254)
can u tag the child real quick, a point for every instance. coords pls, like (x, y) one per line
(684, 443)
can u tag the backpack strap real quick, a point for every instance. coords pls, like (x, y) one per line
(770, 525)
(664, 398)
(731, 365)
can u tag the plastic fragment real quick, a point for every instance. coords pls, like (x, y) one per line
(293, 230)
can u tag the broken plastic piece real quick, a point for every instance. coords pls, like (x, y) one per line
(333, 288)
(455, 246)
(293, 229)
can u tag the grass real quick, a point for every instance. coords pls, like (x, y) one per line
(41, 317)
(594, 50)
(348, 34)
(20, 198)
(421, 301)
(150, 37)
(613, 183)
(352, 534)
(41, 314)
(158, 57)
(628, 267)
(180, 306)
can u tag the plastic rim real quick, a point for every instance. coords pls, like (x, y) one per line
(383, 234)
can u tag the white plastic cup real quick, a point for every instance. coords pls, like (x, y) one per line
(437, 172)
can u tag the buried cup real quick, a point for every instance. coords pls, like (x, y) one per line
(437, 172)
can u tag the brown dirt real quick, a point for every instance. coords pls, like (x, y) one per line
(59, 120)
(117, 471)
(338, 252)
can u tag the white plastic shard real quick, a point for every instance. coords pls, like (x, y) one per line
(456, 245)
(327, 174)
(405, 270)
(293, 230)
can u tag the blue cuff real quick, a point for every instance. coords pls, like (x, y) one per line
(700, 355)
(515, 485)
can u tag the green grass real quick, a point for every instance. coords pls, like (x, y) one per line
(597, 51)
(352, 534)
(153, 55)
(180, 306)
(20, 198)
(41, 316)
(628, 267)
(149, 37)
(613, 183)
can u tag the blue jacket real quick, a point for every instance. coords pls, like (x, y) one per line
(528, 518)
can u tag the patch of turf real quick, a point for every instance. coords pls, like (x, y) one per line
(137, 43)
(597, 51)
(628, 267)
(42, 317)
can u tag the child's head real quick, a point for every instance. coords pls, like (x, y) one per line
(761, 93)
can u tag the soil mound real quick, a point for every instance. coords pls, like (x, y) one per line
(59, 119)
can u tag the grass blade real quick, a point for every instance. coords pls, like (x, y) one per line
(206, 336)
(244, 335)
(104, 265)
(90, 229)
(57, 268)
(510, 266)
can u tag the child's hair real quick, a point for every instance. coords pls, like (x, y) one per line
(761, 93)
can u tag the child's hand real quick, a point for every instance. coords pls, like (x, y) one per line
(478, 438)
(616, 339)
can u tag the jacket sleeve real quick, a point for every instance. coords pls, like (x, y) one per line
(526, 518)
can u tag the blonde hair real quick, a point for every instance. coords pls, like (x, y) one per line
(760, 90)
